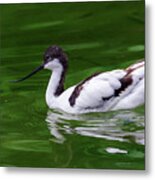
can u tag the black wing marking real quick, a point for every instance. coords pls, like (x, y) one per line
(78, 89)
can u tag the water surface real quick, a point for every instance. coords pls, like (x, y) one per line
(97, 37)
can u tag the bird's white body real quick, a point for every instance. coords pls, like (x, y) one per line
(98, 93)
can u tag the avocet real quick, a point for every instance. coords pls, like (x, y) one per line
(101, 92)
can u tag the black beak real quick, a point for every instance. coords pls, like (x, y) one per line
(31, 74)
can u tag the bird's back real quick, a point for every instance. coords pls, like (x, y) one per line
(112, 90)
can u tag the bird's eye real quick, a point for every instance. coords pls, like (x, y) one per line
(47, 57)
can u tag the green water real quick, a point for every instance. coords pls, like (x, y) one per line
(96, 36)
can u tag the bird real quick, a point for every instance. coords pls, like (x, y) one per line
(101, 92)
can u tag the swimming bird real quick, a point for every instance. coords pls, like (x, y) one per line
(100, 92)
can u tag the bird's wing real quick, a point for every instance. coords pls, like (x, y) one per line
(106, 89)
(96, 90)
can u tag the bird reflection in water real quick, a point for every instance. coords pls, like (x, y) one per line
(122, 126)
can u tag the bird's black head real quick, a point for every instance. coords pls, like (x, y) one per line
(53, 55)
(54, 59)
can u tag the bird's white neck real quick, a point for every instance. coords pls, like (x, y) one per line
(55, 86)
